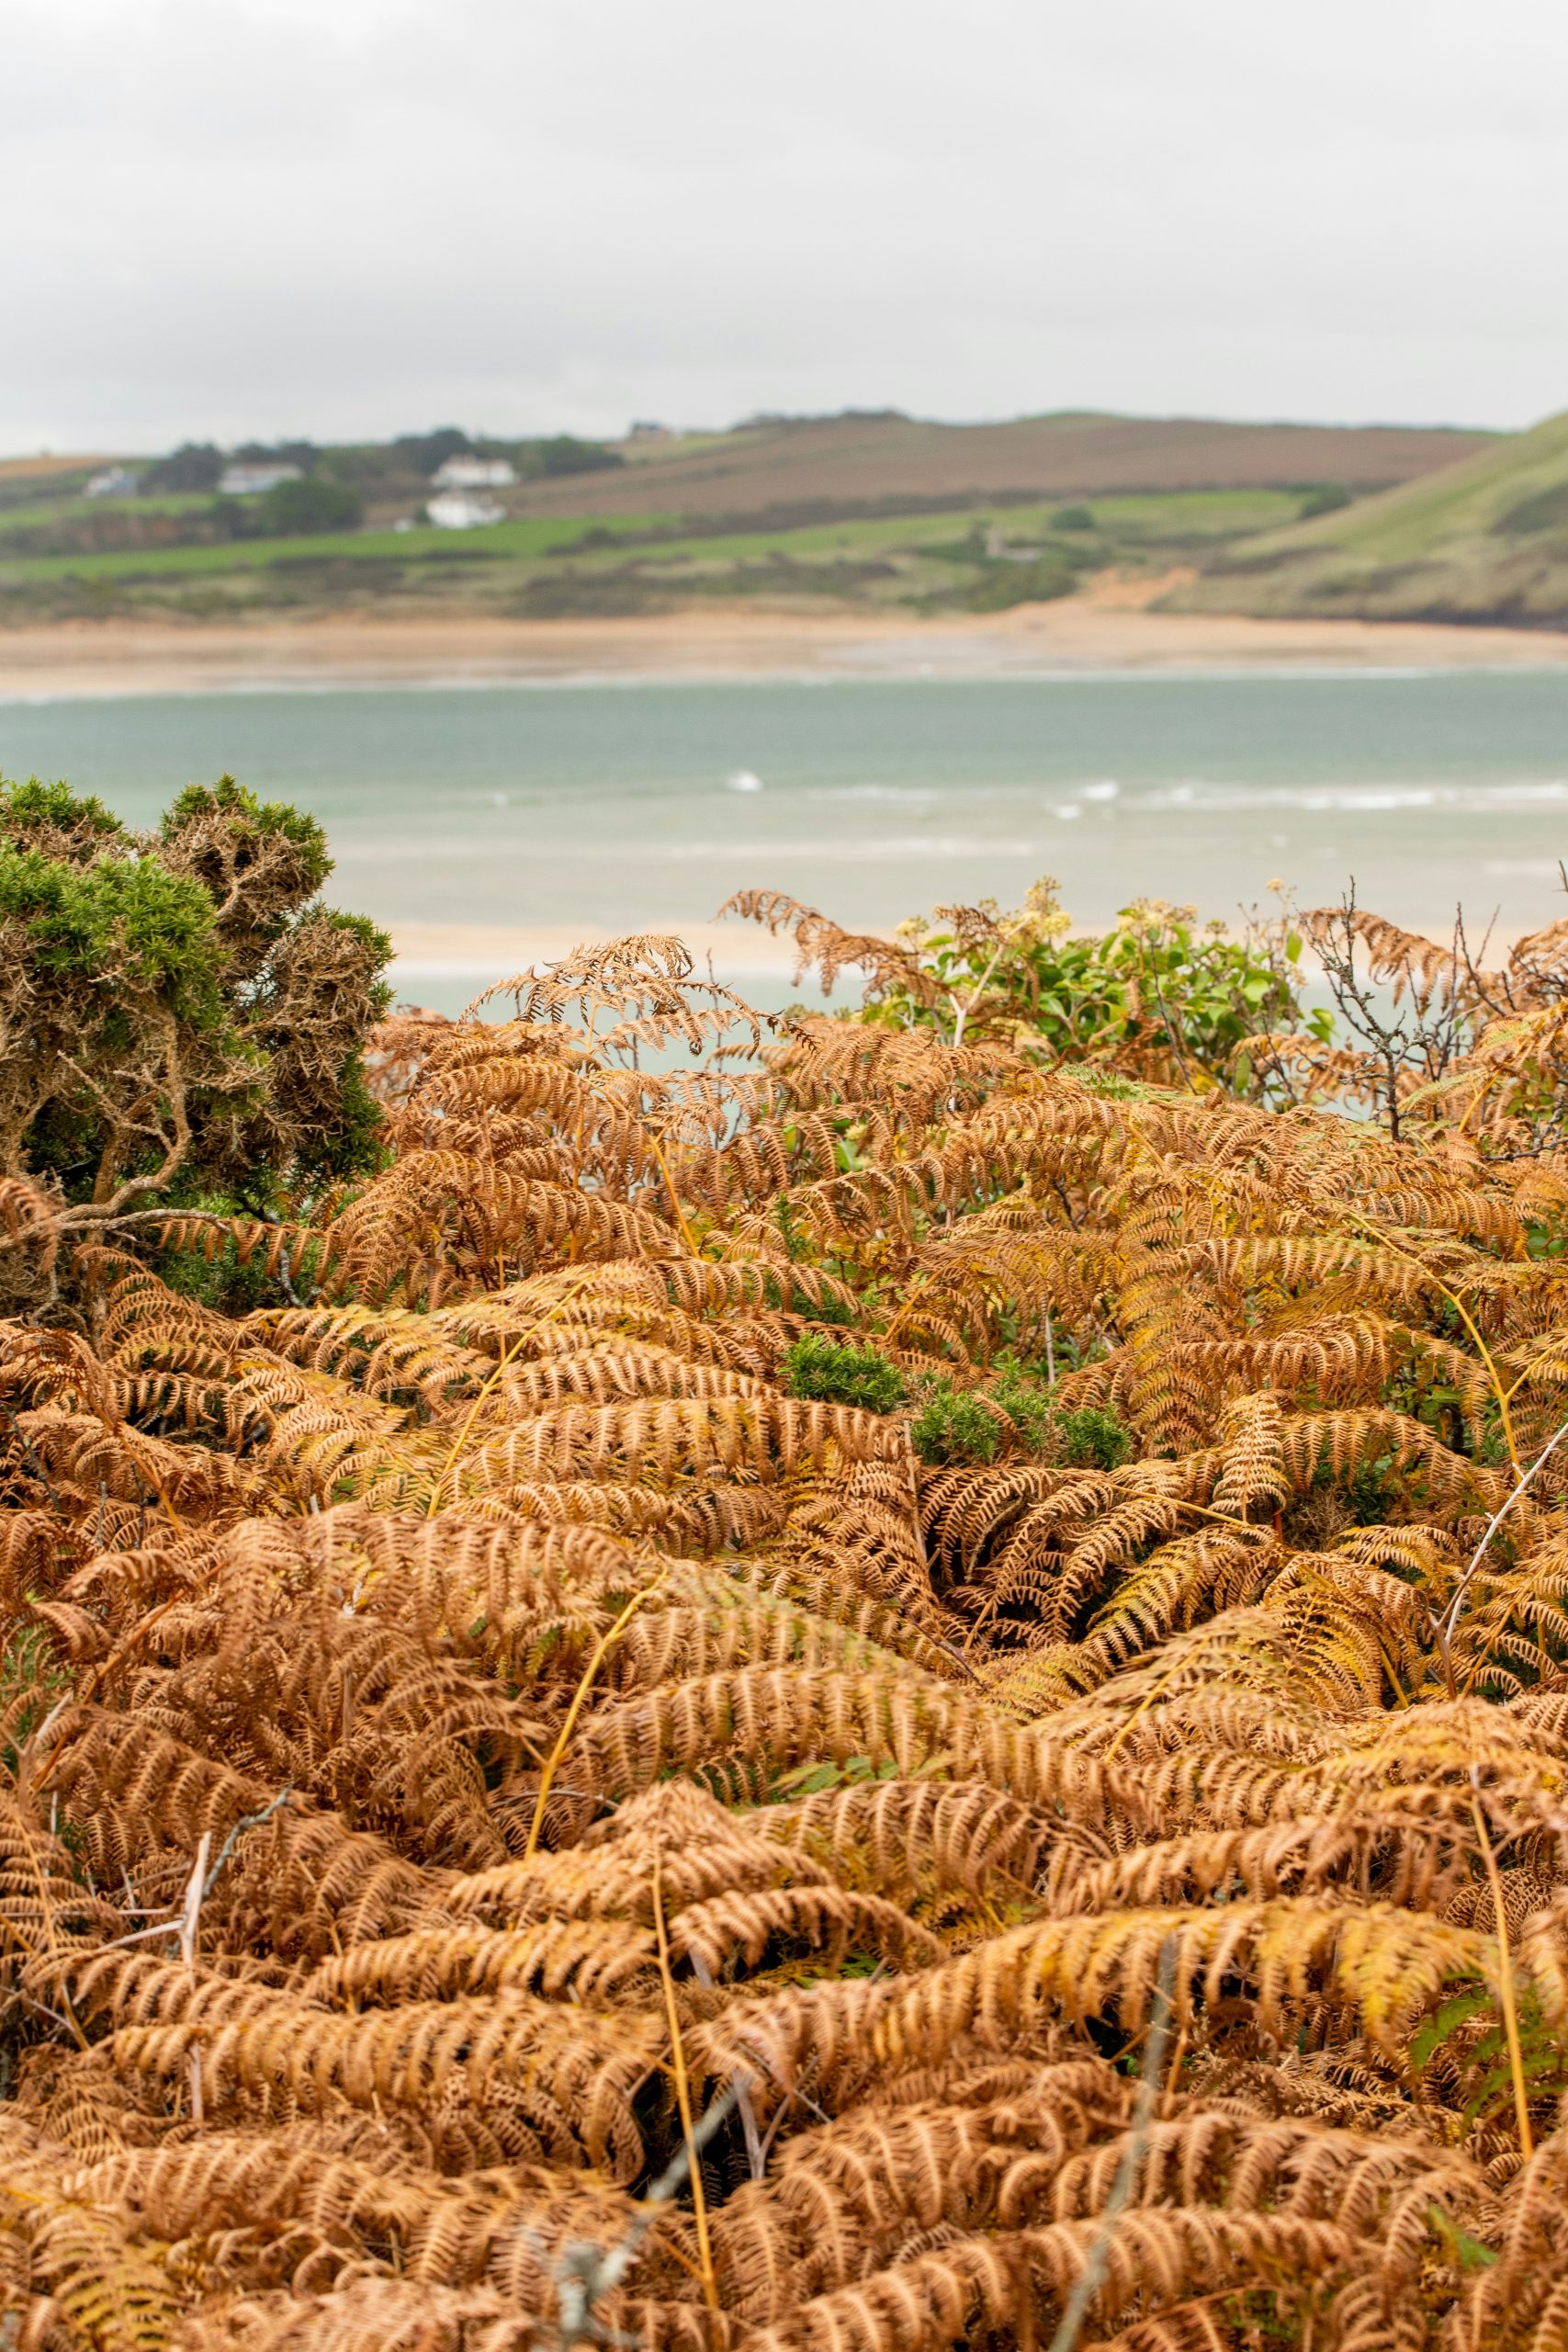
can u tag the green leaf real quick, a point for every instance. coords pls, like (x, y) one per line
(1468, 2252)
(1448, 2018)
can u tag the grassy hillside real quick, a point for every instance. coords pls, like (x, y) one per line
(878, 457)
(807, 515)
(981, 558)
(1486, 539)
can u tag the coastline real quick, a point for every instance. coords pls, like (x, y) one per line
(1103, 631)
(481, 954)
(738, 955)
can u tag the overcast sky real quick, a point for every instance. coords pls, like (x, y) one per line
(341, 218)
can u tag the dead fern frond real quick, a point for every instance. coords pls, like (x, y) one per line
(533, 1812)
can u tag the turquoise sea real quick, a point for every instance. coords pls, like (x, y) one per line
(643, 805)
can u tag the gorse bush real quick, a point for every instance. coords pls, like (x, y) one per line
(1094, 1438)
(1008, 1414)
(888, 1692)
(1024, 1401)
(955, 1425)
(837, 1372)
(181, 1018)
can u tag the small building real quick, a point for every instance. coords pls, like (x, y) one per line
(115, 481)
(463, 510)
(250, 482)
(644, 430)
(474, 473)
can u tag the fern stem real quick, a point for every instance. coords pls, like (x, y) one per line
(1504, 1975)
(755, 2159)
(462, 1437)
(602, 1649)
(1465, 1315)
(684, 2095)
(921, 1283)
(1161, 1683)
(1225, 1518)
(679, 1213)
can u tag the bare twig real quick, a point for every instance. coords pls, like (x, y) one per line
(1449, 1623)
(583, 2272)
(183, 1922)
(190, 1924)
(246, 1821)
(756, 2161)
(1091, 2277)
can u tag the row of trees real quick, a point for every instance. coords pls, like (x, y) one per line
(400, 464)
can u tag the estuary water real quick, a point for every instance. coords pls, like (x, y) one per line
(455, 812)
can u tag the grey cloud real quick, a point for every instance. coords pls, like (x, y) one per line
(237, 216)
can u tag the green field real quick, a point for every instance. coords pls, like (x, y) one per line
(979, 556)
(867, 509)
(515, 543)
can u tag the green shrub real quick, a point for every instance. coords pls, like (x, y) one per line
(183, 1016)
(953, 1426)
(295, 509)
(1323, 498)
(958, 1425)
(832, 1371)
(195, 465)
(565, 454)
(1003, 585)
(1026, 1404)
(426, 453)
(1158, 997)
(1072, 519)
(1093, 1439)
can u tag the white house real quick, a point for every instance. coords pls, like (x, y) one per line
(474, 473)
(463, 510)
(115, 481)
(248, 482)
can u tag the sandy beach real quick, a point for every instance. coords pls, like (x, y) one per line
(1107, 630)
(738, 956)
(480, 954)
